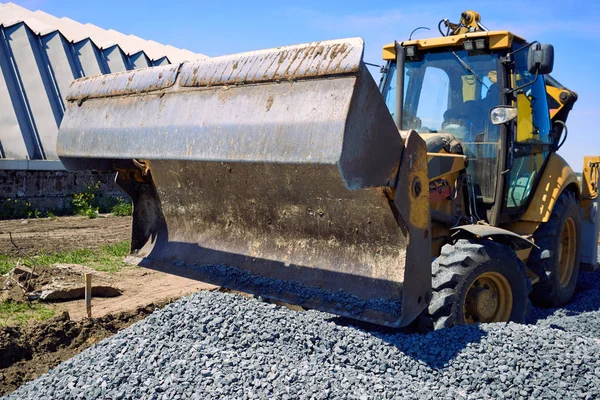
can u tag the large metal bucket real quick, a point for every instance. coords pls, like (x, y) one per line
(277, 172)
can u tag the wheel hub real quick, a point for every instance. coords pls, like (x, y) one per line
(567, 248)
(484, 304)
(489, 299)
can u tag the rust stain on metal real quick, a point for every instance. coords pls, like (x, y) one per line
(282, 57)
(319, 51)
(283, 64)
(269, 102)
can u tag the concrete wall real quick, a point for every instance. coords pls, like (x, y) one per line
(53, 190)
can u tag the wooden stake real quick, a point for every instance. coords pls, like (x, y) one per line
(88, 294)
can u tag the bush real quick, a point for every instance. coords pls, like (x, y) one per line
(15, 208)
(84, 203)
(123, 208)
(18, 208)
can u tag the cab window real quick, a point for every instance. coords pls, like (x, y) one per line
(532, 138)
(451, 91)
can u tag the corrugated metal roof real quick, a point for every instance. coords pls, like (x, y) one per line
(43, 23)
(40, 55)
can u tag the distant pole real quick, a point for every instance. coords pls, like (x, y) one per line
(88, 294)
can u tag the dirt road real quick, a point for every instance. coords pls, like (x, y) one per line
(64, 233)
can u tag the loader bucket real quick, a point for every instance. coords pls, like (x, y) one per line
(277, 172)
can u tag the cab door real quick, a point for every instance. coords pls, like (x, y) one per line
(531, 139)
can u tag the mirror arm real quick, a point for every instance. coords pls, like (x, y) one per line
(509, 57)
(537, 74)
(528, 45)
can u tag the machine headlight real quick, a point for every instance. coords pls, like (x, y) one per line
(502, 114)
(480, 44)
(477, 44)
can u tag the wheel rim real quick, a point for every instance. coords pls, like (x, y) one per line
(489, 299)
(566, 252)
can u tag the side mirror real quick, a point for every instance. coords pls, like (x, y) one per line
(540, 58)
(501, 114)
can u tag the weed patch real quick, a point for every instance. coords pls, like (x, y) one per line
(17, 313)
(123, 208)
(107, 258)
(84, 203)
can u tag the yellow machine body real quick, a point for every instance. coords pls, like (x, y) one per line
(281, 172)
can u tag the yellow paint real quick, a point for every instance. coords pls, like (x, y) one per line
(524, 119)
(590, 189)
(389, 52)
(524, 253)
(555, 94)
(567, 250)
(526, 229)
(501, 41)
(413, 169)
(496, 40)
(441, 234)
(468, 87)
(470, 19)
(489, 299)
(458, 164)
(555, 178)
(590, 177)
(523, 228)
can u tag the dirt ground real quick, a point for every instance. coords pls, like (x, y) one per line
(140, 287)
(63, 233)
(29, 351)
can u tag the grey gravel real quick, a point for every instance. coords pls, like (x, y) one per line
(343, 302)
(214, 345)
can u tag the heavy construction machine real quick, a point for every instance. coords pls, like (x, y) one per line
(288, 173)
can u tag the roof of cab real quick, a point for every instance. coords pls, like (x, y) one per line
(496, 40)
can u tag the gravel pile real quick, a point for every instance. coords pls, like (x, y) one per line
(218, 345)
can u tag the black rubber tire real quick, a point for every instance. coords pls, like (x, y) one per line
(458, 266)
(548, 292)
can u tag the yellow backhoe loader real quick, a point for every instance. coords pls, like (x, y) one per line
(287, 173)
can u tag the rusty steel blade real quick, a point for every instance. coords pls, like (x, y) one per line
(274, 172)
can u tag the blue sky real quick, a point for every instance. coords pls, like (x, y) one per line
(216, 28)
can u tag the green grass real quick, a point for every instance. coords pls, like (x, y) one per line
(15, 313)
(107, 258)
(6, 263)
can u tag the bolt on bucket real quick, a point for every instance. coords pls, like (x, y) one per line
(277, 172)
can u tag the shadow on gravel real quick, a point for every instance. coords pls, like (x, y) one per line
(585, 299)
(436, 349)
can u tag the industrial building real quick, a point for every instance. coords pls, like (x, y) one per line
(40, 55)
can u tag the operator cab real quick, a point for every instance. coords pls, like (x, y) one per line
(451, 91)
(451, 85)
